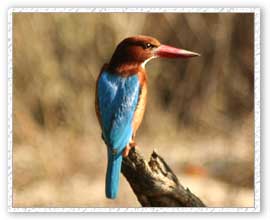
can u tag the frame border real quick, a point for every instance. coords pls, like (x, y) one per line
(256, 12)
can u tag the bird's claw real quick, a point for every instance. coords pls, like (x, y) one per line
(128, 147)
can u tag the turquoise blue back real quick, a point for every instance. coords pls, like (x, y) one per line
(117, 97)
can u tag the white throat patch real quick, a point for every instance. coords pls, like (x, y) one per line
(143, 64)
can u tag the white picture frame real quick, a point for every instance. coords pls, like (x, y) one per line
(256, 12)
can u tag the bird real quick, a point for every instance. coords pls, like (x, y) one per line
(120, 99)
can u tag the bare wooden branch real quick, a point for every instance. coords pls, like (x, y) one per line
(155, 184)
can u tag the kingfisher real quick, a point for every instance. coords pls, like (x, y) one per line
(120, 102)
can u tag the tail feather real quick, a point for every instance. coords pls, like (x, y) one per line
(113, 174)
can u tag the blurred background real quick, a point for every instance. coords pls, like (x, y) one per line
(199, 117)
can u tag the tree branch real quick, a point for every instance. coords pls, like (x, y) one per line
(155, 184)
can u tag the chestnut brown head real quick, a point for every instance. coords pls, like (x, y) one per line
(137, 50)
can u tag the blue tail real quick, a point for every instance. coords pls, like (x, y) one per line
(113, 174)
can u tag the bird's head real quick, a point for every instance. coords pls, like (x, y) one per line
(138, 50)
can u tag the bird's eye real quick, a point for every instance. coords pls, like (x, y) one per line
(148, 45)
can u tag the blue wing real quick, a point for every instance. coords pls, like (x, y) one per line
(117, 97)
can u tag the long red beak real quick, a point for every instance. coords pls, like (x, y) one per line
(172, 52)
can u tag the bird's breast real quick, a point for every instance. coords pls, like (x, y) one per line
(141, 106)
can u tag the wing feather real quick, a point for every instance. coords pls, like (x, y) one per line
(117, 100)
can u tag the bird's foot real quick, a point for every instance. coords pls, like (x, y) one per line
(128, 147)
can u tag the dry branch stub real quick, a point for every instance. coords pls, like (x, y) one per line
(155, 184)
